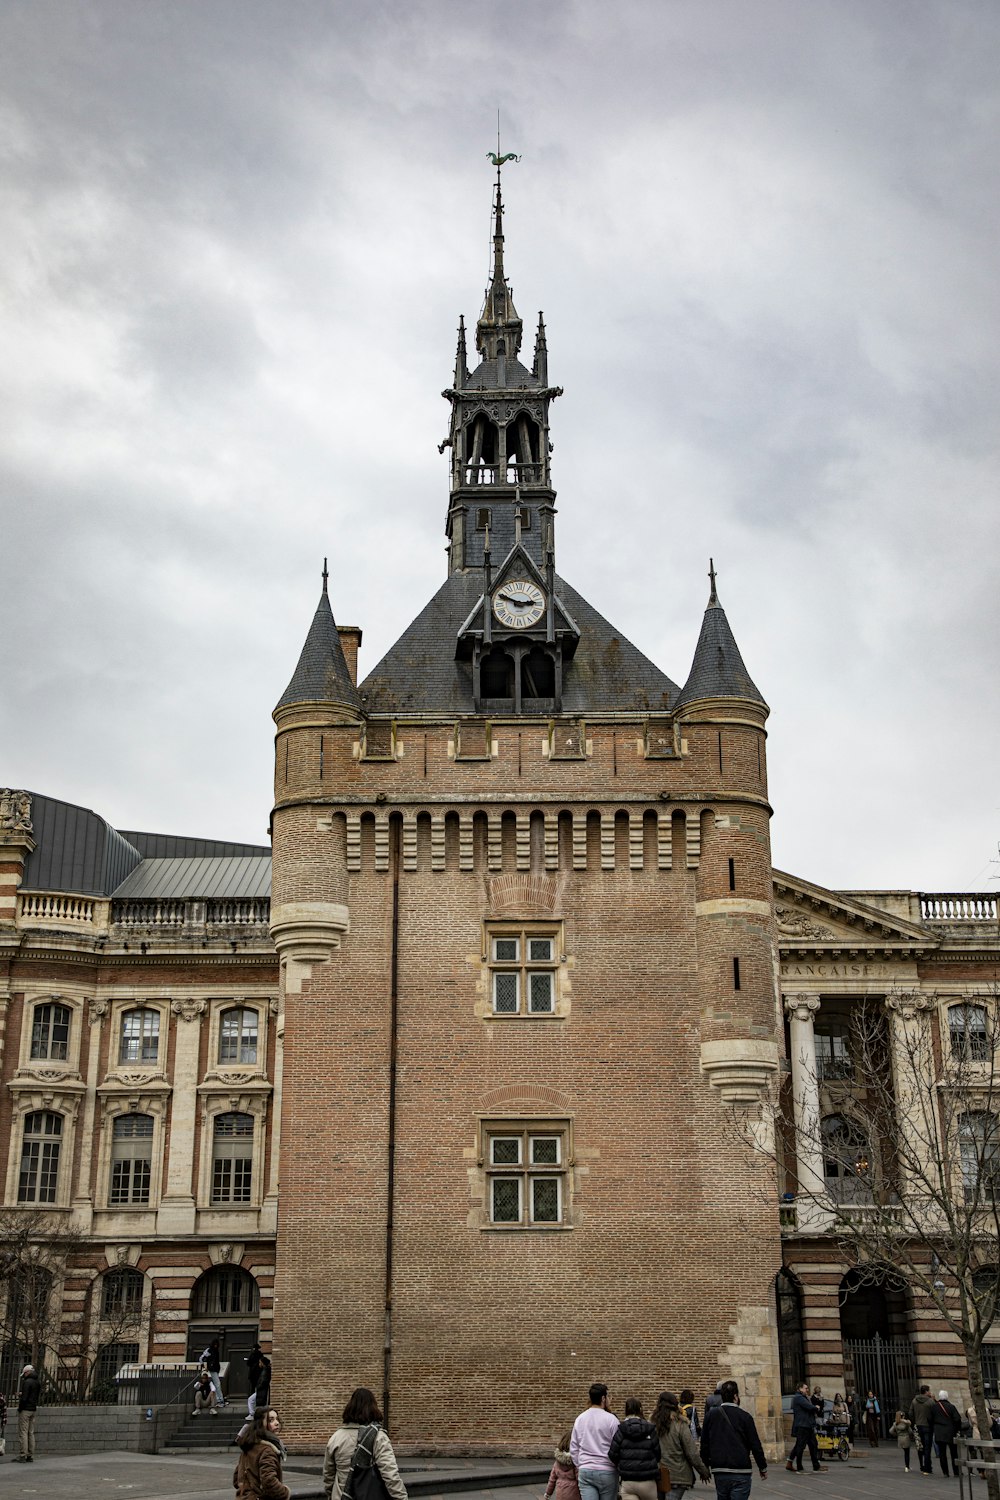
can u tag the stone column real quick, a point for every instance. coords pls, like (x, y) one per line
(801, 1011)
(177, 1207)
(913, 1072)
(269, 1214)
(83, 1201)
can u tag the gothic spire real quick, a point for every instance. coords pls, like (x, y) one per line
(321, 675)
(498, 331)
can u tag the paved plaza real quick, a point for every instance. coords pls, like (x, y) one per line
(875, 1475)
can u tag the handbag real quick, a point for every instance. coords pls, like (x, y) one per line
(364, 1482)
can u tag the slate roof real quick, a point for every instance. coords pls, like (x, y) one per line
(419, 674)
(485, 376)
(321, 675)
(198, 879)
(76, 850)
(717, 670)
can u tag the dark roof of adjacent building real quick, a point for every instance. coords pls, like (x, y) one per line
(420, 675)
(321, 675)
(717, 670)
(207, 878)
(78, 850)
(486, 376)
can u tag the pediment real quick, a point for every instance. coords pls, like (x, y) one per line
(812, 919)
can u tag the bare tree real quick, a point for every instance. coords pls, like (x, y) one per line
(905, 1178)
(34, 1251)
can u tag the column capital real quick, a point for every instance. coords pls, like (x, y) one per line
(801, 1007)
(907, 1004)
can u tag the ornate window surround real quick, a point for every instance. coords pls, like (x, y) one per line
(248, 1097)
(62, 1099)
(51, 1070)
(133, 1075)
(235, 1074)
(119, 1098)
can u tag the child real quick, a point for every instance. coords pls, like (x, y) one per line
(562, 1479)
(902, 1431)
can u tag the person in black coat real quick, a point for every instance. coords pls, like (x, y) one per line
(804, 1415)
(947, 1423)
(635, 1453)
(731, 1446)
(28, 1393)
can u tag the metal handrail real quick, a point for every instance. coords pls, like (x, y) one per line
(988, 1450)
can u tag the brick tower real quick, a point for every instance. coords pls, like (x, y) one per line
(522, 899)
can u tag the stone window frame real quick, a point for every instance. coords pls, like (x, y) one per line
(524, 930)
(137, 1073)
(236, 1072)
(526, 1129)
(131, 1101)
(31, 1100)
(53, 1066)
(967, 1045)
(217, 1099)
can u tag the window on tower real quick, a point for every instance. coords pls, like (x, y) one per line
(523, 971)
(526, 1165)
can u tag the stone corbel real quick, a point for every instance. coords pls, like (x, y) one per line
(741, 1068)
(306, 933)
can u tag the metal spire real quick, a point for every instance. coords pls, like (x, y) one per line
(326, 577)
(713, 597)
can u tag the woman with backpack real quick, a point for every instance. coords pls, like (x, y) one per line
(361, 1437)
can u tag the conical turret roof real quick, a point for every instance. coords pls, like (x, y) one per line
(321, 675)
(717, 670)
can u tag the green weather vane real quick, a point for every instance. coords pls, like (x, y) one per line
(495, 157)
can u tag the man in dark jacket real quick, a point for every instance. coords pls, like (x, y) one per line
(27, 1405)
(729, 1442)
(947, 1426)
(803, 1431)
(922, 1417)
(635, 1451)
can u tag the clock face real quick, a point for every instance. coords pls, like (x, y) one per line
(518, 603)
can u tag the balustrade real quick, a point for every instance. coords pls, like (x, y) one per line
(55, 906)
(972, 907)
(512, 474)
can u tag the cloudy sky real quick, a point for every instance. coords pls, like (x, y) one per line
(237, 235)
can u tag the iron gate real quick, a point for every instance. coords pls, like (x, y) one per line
(886, 1366)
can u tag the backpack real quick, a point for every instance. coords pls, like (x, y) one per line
(364, 1482)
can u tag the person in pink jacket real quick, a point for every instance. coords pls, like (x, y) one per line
(562, 1480)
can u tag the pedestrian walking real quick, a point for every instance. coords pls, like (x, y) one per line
(679, 1456)
(715, 1399)
(730, 1445)
(562, 1476)
(212, 1360)
(947, 1425)
(257, 1475)
(690, 1410)
(902, 1431)
(361, 1436)
(635, 1453)
(253, 1363)
(873, 1419)
(593, 1431)
(851, 1402)
(28, 1393)
(3, 1425)
(817, 1400)
(804, 1417)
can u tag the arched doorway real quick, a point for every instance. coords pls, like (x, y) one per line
(791, 1344)
(225, 1305)
(878, 1355)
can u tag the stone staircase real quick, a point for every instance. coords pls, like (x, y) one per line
(206, 1433)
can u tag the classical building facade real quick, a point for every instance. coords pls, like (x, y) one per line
(525, 970)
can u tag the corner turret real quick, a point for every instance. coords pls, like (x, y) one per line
(322, 677)
(717, 671)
